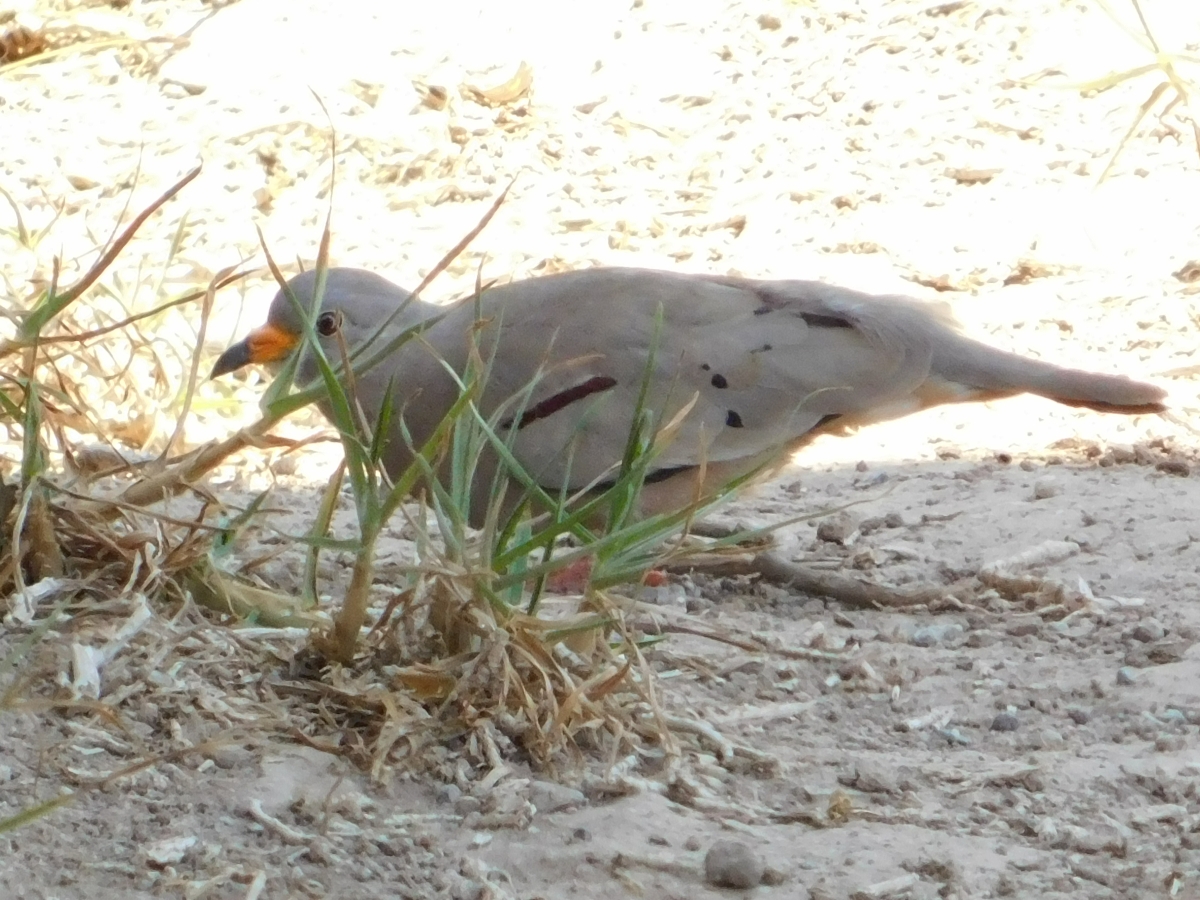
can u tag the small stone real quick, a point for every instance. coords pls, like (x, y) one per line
(231, 756)
(1161, 653)
(1005, 721)
(1169, 743)
(169, 851)
(1079, 715)
(692, 843)
(1191, 715)
(179, 90)
(1148, 631)
(1046, 487)
(1023, 629)
(549, 796)
(773, 877)
(448, 793)
(1126, 675)
(932, 635)
(835, 529)
(1123, 453)
(872, 779)
(732, 864)
(871, 525)
(1174, 467)
(1049, 739)
(1173, 716)
(923, 637)
(581, 835)
(82, 182)
(466, 804)
(285, 465)
(893, 520)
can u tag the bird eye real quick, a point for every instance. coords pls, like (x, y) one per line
(329, 323)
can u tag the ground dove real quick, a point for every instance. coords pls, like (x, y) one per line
(759, 366)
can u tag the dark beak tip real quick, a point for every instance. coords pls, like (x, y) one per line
(231, 360)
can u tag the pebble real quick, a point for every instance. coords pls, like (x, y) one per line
(732, 864)
(1170, 743)
(168, 851)
(285, 465)
(549, 796)
(447, 793)
(871, 778)
(231, 756)
(1173, 716)
(1174, 467)
(1049, 739)
(1046, 487)
(836, 529)
(1023, 629)
(692, 843)
(1005, 721)
(1126, 675)
(978, 639)
(1148, 631)
(466, 805)
(932, 635)
(772, 876)
(1078, 715)
(1123, 453)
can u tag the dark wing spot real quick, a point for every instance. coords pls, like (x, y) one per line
(763, 349)
(733, 420)
(718, 381)
(819, 321)
(705, 366)
(562, 399)
(763, 310)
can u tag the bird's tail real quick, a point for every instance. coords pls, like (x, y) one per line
(983, 372)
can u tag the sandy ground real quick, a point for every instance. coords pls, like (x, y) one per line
(1006, 747)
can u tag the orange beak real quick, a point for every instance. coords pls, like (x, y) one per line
(267, 344)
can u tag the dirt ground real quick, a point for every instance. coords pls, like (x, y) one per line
(1041, 739)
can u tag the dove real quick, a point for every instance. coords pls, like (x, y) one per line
(745, 371)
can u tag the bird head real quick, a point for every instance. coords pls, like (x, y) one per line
(355, 303)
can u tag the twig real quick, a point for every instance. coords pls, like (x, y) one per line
(848, 591)
(287, 834)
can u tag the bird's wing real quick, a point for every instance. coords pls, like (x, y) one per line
(755, 369)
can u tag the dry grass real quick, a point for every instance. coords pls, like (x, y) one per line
(1172, 92)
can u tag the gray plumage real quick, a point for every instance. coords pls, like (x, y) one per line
(768, 365)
